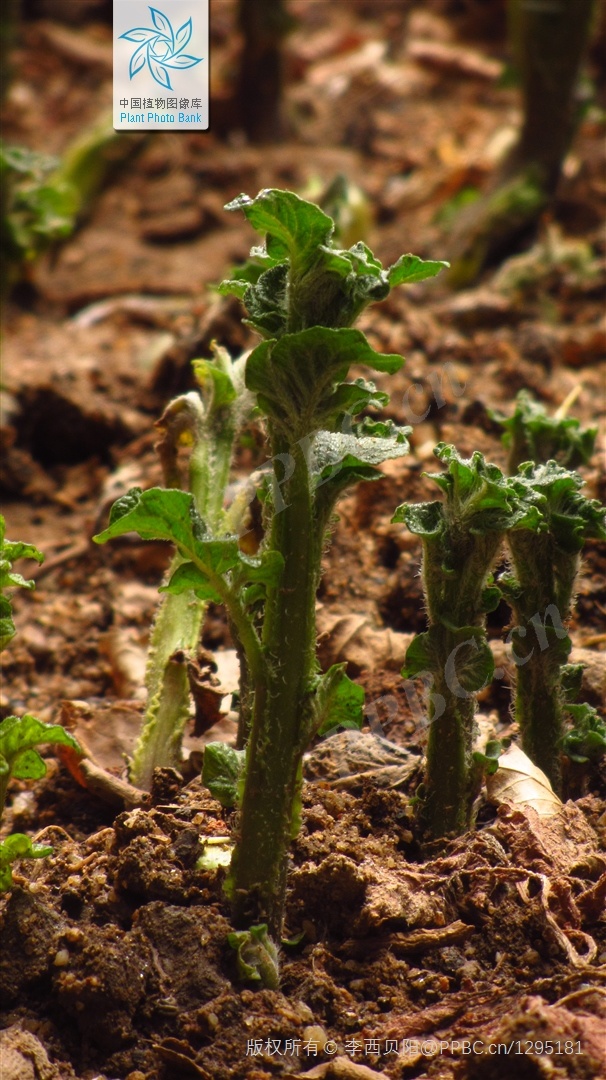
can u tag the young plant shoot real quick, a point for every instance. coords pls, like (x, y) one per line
(531, 434)
(302, 294)
(461, 536)
(303, 304)
(20, 735)
(540, 591)
(208, 423)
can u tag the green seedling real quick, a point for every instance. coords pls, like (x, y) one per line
(35, 210)
(530, 434)
(302, 294)
(546, 563)
(586, 741)
(19, 759)
(10, 551)
(19, 736)
(18, 846)
(207, 422)
(43, 198)
(462, 536)
(258, 958)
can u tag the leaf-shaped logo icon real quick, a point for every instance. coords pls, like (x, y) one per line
(183, 34)
(159, 48)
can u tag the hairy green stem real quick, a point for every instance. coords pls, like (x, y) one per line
(454, 598)
(541, 603)
(280, 721)
(447, 807)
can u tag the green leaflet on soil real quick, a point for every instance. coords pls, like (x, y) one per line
(10, 551)
(258, 959)
(338, 702)
(18, 846)
(221, 772)
(18, 737)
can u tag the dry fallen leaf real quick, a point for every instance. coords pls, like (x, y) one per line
(353, 638)
(518, 782)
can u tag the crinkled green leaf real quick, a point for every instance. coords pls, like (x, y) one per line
(258, 959)
(587, 740)
(265, 569)
(187, 576)
(247, 273)
(350, 398)
(410, 268)
(293, 228)
(267, 302)
(296, 376)
(18, 846)
(14, 549)
(571, 677)
(340, 460)
(422, 519)
(474, 664)
(7, 626)
(338, 702)
(468, 663)
(491, 598)
(480, 497)
(489, 760)
(155, 514)
(420, 656)
(221, 771)
(220, 556)
(532, 435)
(334, 448)
(321, 284)
(21, 733)
(568, 516)
(10, 551)
(28, 765)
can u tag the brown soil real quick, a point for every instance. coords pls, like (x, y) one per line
(401, 962)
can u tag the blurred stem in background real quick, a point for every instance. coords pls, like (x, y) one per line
(263, 24)
(548, 39)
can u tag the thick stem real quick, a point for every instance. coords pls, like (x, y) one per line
(548, 39)
(539, 709)
(280, 723)
(542, 608)
(263, 24)
(447, 808)
(454, 598)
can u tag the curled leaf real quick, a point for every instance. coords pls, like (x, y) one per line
(258, 959)
(18, 846)
(221, 772)
(518, 782)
